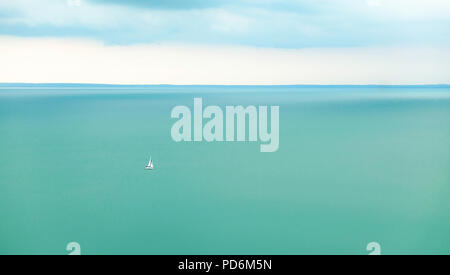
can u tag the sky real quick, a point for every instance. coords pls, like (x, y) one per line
(225, 41)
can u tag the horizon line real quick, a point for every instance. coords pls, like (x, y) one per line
(58, 84)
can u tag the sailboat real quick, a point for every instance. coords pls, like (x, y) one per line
(149, 165)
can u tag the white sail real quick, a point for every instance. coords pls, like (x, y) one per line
(149, 165)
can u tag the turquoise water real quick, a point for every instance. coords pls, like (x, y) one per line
(355, 165)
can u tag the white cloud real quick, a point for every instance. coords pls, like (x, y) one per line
(81, 61)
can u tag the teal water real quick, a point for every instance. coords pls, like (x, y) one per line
(355, 165)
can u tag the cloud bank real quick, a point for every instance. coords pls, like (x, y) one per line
(259, 23)
(225, 41)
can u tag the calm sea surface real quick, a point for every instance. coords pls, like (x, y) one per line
(355, 165)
